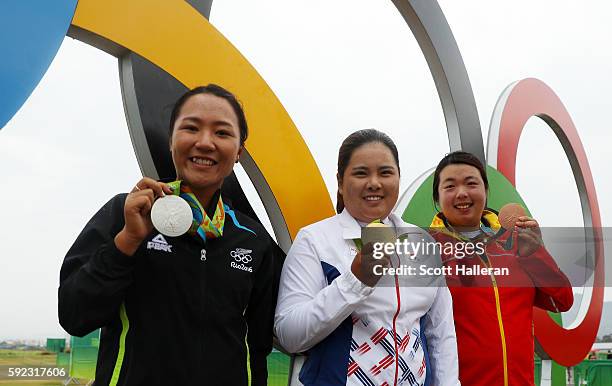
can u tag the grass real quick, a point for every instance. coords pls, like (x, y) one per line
(23, 358)
(30, 383)
(278, 367)
(27, 358)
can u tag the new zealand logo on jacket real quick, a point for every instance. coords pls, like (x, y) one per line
(241, 259)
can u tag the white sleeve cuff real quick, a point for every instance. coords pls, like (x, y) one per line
(349, 283)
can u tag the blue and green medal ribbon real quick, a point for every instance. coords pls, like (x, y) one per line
(203, 225)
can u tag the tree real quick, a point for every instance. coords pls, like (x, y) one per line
(604, 339)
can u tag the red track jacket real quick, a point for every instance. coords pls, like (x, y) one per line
(494, 314)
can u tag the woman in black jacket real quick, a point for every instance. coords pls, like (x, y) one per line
(177, 310)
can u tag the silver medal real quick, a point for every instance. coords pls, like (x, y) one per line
(171, 216)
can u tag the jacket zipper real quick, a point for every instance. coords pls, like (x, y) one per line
(499, 320)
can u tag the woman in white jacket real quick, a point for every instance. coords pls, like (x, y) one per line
(355, 327)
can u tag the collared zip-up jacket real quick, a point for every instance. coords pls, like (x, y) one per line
(494, 314)
(177, 312)
(347, 329)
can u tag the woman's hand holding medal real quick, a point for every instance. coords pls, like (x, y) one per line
(529, 237)
(137, 214)
(364, 262)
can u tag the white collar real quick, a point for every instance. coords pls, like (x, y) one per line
(385, 221)
(351, 229)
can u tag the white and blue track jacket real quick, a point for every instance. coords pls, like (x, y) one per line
(346, 328)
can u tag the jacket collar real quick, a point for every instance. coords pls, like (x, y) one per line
(489, 219)
(351, 229)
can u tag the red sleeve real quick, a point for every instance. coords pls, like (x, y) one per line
(553, 289)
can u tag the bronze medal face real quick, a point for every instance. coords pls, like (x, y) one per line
(509, 214)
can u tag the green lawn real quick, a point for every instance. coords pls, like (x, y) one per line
(278, 367)
(29, 383)
(21, 358)
(27, 358)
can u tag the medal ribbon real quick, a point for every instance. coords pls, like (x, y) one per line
(202, 225)
(359, 243)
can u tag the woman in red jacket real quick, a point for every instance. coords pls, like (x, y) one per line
(493, 292)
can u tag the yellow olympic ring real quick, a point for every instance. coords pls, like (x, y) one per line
(176, 38)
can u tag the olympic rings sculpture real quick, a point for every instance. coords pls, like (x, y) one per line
(176, 37)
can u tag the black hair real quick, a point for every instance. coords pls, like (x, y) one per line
(217, 91)
(352, 143)
(458, 157)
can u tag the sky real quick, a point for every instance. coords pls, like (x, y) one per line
(337, 67)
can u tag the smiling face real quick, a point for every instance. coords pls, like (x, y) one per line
(205, 144)
(370, 184)
(462, 195)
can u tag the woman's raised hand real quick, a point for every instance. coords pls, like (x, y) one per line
(137, 214)
(529, 236)
(363, 265)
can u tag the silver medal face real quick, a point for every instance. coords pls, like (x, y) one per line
(171, 216)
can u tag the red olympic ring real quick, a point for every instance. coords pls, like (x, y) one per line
(525, 99)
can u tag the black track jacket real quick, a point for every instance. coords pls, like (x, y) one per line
(178, 312)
